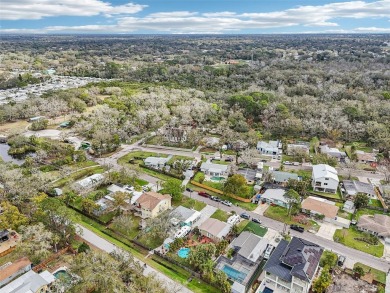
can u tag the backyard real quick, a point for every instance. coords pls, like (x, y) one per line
(348, 237)
(378, 275)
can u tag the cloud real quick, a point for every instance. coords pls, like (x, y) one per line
(33, 9)
(212, 22)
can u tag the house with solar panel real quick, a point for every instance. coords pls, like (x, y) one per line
(292, 267)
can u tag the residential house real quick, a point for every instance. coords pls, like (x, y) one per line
(291, 267)
(276, 196)
(105, 205)
(243, 268)
(10, 271)
(378, 225)
(88, 183)
(151, 204)
(353, 188)
(156, 162)
(214, 229)
(298, 147)
(319, 206)
(333, 152)
(280, 177)
(214, 170)
(349, 206)
(273, 147)
(325, 178)
(30, 282)
(365, 158)
(185, 216)
(175, 134)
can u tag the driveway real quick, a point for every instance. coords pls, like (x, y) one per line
(261, 209)
(327, 230)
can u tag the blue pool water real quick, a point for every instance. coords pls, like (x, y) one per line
(234, 274)
(215, 178)
(63, 275)
(268, 290)
(183, 252)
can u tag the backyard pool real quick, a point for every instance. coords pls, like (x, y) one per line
(183, 252)
(214, 178)
(234, 274)
(63, 275)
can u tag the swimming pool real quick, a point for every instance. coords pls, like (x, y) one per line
(183, 252)
(63, 275)
(215, 178)
(234, 274)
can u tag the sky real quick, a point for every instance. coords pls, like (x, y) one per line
(193, 16)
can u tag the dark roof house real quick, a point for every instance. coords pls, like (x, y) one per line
(299, 258)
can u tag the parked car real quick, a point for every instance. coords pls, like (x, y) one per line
(297, 228)
(229, 159)
(204, 194)
(245, 216)
(258, 221)
(227, 203)
(341, 260)
(189, 189)
(287, 163)
(268, 251)
(296, 163)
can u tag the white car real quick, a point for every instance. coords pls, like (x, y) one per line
(287, 163)
(227, 203)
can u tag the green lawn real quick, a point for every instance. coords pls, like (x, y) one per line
(326, 194)
(379, 276)
(302, 173)
(220, 215)
(141, 182)
(347, 237)
(281, 214)
(178, 158)
(158, 175)
(375, 203)
(245, 205)
(221, 162)
(190, 203)
(241, 226)
(126, 158)
(105, 218)
(78, 175)
(361, 212)
(256, 229)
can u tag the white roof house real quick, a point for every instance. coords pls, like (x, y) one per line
(269, 148)
(212, 169)
(325, 178)
(89, 182)
(156, 162)
(275, 196)
(29, 282)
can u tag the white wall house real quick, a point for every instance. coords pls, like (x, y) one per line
(214, 170)
(273, 147)
(324, 178)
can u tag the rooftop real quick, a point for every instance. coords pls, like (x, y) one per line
(249, 245)
(324, 171)
(215, 167)
(215, 227)
(280, 176)
(321, 206)
(277, 194)
(377, 223)
(299, 258)
(11, 269)
(353, 187)
(149, 200)
(156, 160)
(29, 282)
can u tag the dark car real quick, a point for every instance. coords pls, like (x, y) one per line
(341, 260)
(245, 216)
(258, 221)
(204, 194)
(189, 189)
(297, 228)
(229, 159)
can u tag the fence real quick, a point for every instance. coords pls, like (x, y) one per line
(197, 275)
(180, 177)
(44, 263)
(9, 250)
(219, 191)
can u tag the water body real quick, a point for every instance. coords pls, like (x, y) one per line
(8, 158)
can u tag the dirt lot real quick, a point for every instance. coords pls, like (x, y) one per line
(344, 283)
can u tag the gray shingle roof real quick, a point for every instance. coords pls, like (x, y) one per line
(299, 258)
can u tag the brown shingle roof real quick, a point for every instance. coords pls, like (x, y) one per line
(14, 267)
(215, 227)
(149, 200)
(377, 223)
(366, 157)
(319, 206)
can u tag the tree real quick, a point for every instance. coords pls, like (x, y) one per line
(220, 247)
(120, 198)
(361, 200)
(200, 255)
(359, 271)
(174, 188)
(248, 156)
(323, 281)
(88, 205)
(221, 281)
(10, 217)
(294, 201)
(328, 258)
(236, 184)
(84, 247)
(201, 178)
(36, 242)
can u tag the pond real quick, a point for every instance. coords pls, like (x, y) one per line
(8, 158)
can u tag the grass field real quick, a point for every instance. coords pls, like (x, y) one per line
(256, 229)
(220, 215)
(190, 203)
(379, 276)
(241, 225)
(78, 175)
(139, 154)
(347, 237)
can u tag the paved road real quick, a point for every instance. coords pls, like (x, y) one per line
(108, 247)
(352, 254)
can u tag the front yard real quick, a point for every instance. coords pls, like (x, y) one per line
(190, 203)
(378, 275)
(220, 215)
(138, 157)
(256, 229)
(348, 237)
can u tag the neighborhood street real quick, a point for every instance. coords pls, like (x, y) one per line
(351, 254)
(108, 247)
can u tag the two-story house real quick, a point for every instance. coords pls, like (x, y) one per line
(151, 204)
(273, 147)
(291, 267)
(324, 178)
